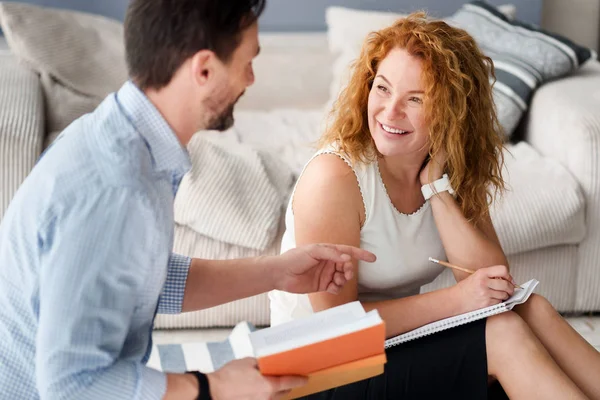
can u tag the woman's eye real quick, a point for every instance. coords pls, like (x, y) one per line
(417, 100)
(382, 88)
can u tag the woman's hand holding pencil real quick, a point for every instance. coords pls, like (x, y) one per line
(482, 288)
(468, 271)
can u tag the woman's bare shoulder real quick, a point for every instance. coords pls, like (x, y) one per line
(329, 181)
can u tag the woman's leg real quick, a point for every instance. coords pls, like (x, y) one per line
(575, 356)
(522, 364)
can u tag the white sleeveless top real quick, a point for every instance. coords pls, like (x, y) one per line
(402, 243)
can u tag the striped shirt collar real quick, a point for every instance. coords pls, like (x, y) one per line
(166, 149)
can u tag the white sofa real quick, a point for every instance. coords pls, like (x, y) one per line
(548, 223)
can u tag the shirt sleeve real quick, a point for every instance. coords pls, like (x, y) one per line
(171, 299)
(95, 258)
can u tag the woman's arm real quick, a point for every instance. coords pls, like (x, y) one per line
(328, 206)
(465, 244)
(327, 203)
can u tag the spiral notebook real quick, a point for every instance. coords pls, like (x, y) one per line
(519, 296)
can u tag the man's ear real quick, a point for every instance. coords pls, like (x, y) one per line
(203, 65)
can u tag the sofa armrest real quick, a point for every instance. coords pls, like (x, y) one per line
(21, 125)
(564, 124)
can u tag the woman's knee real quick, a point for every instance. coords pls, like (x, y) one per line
(505, 334)
(537, 305)
(502, 327)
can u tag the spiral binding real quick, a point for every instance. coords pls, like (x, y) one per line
(447, 324)
(462, 319)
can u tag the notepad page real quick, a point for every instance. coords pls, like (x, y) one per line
(519, 296)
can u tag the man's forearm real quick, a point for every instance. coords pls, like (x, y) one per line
(214, 282)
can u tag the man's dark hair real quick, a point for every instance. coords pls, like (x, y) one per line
(160, 35)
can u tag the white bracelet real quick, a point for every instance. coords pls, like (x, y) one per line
(438, 186)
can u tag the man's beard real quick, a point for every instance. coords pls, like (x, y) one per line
(224, 120)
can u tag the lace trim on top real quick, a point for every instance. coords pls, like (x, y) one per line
(423, 207)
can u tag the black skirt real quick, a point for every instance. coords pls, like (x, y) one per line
(451, 364)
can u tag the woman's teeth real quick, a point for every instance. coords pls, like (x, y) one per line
(392, 130)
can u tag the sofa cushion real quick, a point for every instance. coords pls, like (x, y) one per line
(234, 194)
(21, 125)
(524, 57)
(79, 56)
(544, 205)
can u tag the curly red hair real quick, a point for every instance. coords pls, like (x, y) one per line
(458, 106)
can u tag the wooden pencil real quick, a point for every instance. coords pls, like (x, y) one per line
(468, 271)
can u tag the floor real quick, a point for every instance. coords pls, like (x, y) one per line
(588, 327)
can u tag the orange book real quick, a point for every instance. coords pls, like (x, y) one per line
(341, 375)
(333, 348)
(329, 353)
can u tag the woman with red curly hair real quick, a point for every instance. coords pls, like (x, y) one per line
(418, 111)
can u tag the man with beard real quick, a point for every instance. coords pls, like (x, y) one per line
(85, 246)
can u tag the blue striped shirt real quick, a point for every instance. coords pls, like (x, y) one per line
(85, 258)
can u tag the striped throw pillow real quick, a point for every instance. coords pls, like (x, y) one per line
(524, 56)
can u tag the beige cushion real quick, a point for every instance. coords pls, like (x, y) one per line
(79, 56)
(21, 126)
(50, 138)
(64, 105)
(543, 207)
(233, 194)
